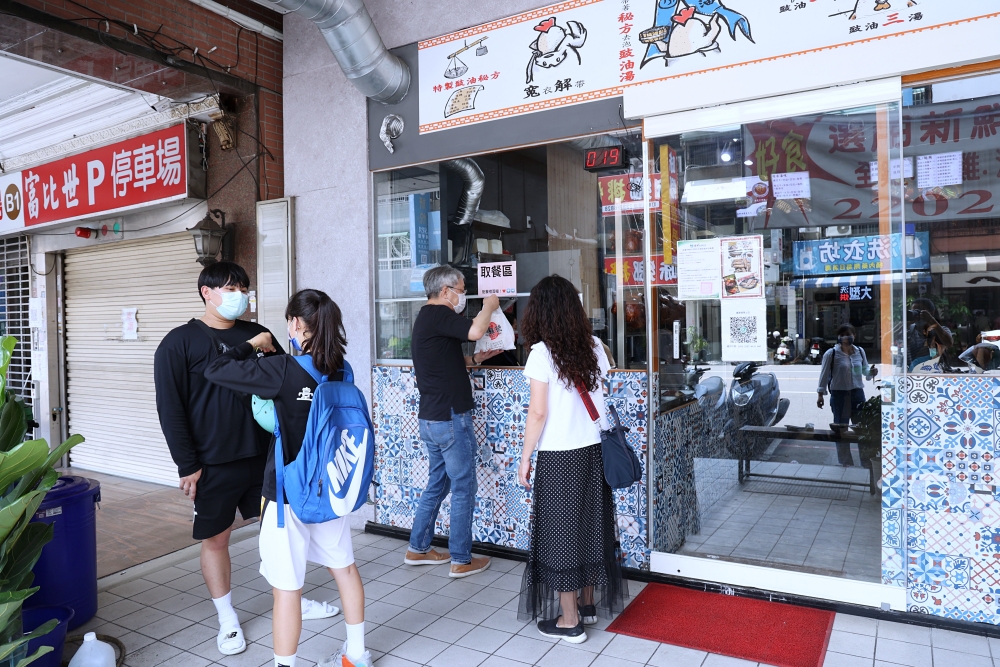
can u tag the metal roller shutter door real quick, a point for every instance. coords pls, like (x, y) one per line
(109, 382)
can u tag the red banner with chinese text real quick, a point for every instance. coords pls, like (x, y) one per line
(126, 174)
(634, 270)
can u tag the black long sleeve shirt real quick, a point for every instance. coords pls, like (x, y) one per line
(203, 423)
(280, 378)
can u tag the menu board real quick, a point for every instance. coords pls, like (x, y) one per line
(938, 171)
(699, 273)
(742, 267)
(744, 330)
(793, 185)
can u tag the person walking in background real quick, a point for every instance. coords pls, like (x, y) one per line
(574, 535)
(924, 320)
(845, 367)
(316, 328)
(446, 418)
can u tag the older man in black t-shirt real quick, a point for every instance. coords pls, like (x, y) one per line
(446, 418)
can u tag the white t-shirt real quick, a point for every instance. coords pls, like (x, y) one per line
(568, 424)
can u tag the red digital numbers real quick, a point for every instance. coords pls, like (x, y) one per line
(603, 158)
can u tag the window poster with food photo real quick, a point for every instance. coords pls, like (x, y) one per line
(742, 267)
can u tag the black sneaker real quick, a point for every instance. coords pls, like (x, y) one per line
(574, 635)
(588, 614)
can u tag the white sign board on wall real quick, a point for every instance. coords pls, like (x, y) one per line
(584, 50)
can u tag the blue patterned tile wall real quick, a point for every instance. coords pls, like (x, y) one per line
(503, 508)
(941, 506)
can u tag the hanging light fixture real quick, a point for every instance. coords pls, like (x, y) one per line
(208, 235)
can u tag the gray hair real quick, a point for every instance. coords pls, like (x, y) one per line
(439, 277)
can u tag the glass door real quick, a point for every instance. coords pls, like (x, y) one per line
(775, 325)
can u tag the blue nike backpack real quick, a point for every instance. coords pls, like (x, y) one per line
(330, 477)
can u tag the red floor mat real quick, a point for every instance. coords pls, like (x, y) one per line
(768, 632)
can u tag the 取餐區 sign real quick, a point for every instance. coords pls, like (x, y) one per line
(144, 170)
(498, 278)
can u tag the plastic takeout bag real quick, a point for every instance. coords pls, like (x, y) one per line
(500, 335)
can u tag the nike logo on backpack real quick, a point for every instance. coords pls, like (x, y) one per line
(348, 453)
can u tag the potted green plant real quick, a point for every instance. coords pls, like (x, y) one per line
(869, 428)
(27, 472)
(696, 343)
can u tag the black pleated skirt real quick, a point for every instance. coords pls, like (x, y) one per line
(574, 536)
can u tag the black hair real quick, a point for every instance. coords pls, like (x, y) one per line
(555, 316)
(327, 341)
(846, 330)
(925, 304)
(223, 274)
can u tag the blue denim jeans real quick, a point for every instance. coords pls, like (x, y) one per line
(451, 448)
(846, 405)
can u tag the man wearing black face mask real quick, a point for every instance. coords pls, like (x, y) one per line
(845, 367)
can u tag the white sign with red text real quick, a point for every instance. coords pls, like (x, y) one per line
(144, 170)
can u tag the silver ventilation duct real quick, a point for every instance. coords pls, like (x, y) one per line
(348, 29)
(475, 183)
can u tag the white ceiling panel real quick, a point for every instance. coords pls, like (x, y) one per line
(42, 107)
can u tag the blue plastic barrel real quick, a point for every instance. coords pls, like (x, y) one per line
(36, 616)
(67, 571)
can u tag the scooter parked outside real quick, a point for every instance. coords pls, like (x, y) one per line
(784, 353)
(816, 350)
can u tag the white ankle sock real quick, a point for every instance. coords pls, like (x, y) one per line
(284, 660)
(355, 640)
(227, 615)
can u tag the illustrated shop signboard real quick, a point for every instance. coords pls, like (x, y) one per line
(144, 170)
(586, 50)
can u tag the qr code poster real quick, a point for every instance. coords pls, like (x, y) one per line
(744, 330)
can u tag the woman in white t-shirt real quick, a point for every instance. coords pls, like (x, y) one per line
(574, 534)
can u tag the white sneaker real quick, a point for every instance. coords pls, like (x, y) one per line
(340, 659)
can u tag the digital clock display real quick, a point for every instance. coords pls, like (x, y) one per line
(606, 157)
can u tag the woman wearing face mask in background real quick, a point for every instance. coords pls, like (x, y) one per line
(315, 327)
(845, 367)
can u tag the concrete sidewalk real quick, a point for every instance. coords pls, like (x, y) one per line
(418, 616)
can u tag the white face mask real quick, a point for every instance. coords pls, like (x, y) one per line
(460, 306)
(233, 304)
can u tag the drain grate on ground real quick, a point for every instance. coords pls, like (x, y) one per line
(802, 489)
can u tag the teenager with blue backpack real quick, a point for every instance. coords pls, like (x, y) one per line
(318, 469)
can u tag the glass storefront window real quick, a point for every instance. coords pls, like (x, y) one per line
(794, 228)
(544, 210)
(951, 163)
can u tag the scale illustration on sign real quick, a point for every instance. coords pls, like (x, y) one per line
(456, 67)
(464, 97)
(554, 45)
(679, 29)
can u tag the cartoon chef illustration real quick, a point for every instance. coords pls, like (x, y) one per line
(685, 27)
(554, 45)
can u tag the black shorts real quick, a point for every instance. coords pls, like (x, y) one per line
(224, 488)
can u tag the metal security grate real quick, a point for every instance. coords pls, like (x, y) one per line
(14, 292)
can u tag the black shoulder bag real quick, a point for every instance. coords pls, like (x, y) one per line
(622, 468)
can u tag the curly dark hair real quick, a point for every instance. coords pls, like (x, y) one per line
(555, 316)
